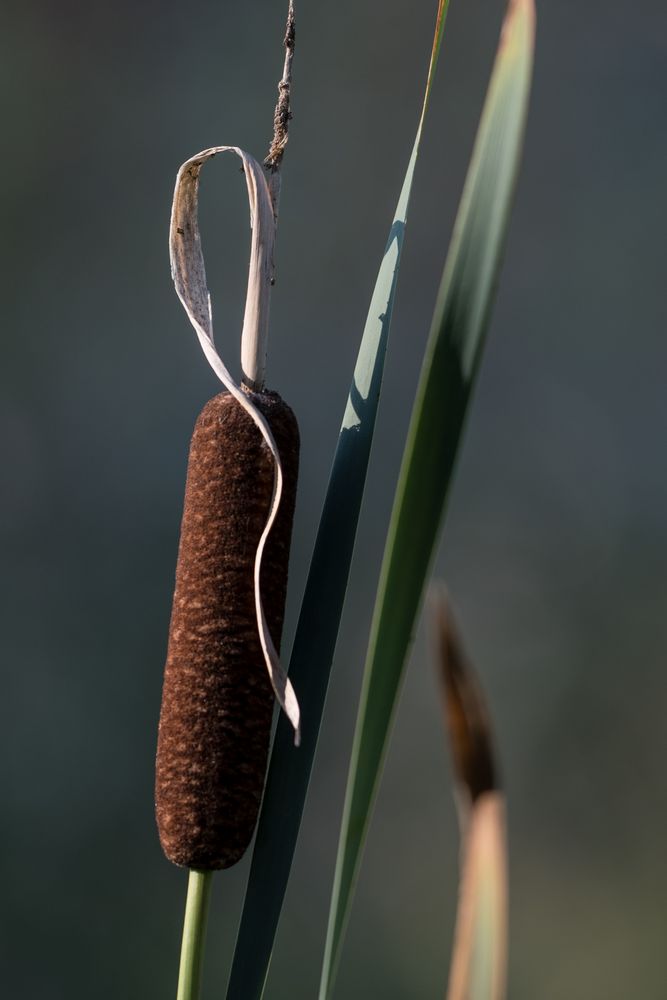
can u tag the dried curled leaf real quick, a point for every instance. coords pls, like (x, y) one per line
(189, 275)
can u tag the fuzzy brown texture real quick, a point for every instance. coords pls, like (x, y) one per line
(217, 700)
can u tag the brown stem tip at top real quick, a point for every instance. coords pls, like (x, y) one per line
(283, 114)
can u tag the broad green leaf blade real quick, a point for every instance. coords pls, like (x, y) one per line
(451, 361)
(478, 968)
(319, 618)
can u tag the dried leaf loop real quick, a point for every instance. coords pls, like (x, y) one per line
(189, 276)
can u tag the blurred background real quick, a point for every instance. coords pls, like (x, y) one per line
(555, 546)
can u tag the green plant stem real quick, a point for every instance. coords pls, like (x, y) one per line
(194, 935)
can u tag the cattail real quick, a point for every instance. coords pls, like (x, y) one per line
(217, 699)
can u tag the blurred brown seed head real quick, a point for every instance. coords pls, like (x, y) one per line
(466, 714)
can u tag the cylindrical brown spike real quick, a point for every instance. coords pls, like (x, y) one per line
(217, 700)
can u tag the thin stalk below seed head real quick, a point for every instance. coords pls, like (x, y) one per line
(194, 935)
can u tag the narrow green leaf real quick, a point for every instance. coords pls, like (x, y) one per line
(321, 610)
(478, 969)
(452, 357)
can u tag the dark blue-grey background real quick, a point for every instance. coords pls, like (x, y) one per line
(555, 547)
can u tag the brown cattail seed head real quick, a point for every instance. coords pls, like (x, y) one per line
(217, 700)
